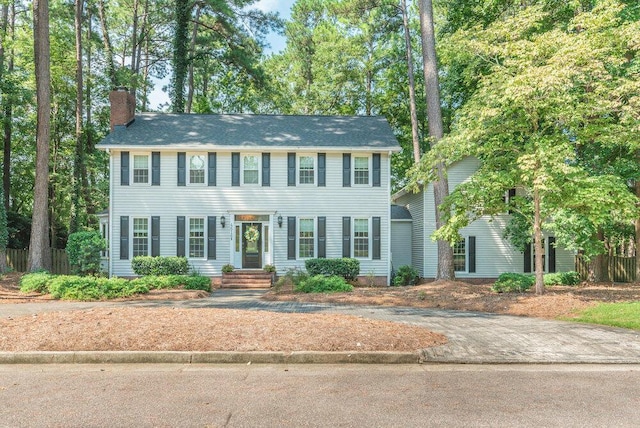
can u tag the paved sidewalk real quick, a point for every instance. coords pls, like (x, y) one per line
(474, 338)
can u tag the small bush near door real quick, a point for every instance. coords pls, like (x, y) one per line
(324, 284)
(406, 275)
(146, 265)
(345, 267)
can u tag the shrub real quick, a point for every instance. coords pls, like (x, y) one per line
(345, 267)
(197, 282)
(561, 278)
(227, 268)
(269, 268)
(513, 282)
(188, 282)
(292, 278)
(71, 287)
(145, 265)
(324, 284)
(406, 275)
(35, 282)
(83, 250)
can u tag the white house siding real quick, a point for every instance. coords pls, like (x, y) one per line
(493, 255)
(414, 202)
(401, 243)
(170, 200)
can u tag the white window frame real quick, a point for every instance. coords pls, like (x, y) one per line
(465, 241)
(259, 159)
(314, 222)
(353, 170)
(204, 169)
(133, 169)
(369, 237)
(299, 169)
(204, 237)
(133, 236)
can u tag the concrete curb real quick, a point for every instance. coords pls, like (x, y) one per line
(188, 357)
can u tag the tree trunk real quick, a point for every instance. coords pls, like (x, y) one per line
(78, 164)
(637, 241)
(39, 248)
(7, 23)
(108, 50)
(180, 60)
(415, 138)
(597, 265)
(192, 49)
(537, 242)
(434, 116)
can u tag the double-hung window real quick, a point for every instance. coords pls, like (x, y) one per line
(196, 237)
(140, 168)
(307, 170)
(140, 237)
(250, 169)
(196, 169)
(361, 237)
(460, 256)
(361, 170)
(306, 238)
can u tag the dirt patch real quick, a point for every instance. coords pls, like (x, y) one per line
(456, 295)
(171, 329)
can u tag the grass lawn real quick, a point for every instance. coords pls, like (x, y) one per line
(626, 315)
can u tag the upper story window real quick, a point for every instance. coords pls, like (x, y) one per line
(360, 170)
(140, 237)
(306, 170)
(361, 237)
(141, 168)
(196, 169)
(250, 169)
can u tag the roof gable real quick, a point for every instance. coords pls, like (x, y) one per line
(195, 131)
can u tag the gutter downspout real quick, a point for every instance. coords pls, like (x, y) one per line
(389, 254)
(110, 211)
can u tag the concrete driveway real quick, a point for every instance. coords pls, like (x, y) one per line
(473, 337)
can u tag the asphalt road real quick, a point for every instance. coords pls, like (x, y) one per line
(319, 395)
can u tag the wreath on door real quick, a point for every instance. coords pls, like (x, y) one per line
(252, 234)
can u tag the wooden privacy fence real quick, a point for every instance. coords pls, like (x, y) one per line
(617, 269)
(17, 260)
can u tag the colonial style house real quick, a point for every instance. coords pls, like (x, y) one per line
(482, 253)
(248, 190)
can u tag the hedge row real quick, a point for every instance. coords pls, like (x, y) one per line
(345, 267)
(146, 265)
(517, 282)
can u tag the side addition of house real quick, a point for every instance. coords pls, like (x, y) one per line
(248, 190)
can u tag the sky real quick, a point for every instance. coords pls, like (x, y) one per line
(276, 42)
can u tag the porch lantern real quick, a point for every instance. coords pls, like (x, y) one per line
(280, 221)
(223, 221)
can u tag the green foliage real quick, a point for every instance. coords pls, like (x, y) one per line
(406, 275)
(269, 268)
(70, 287)
(324, 284)
(292, 278)
(83, 250)
(562, 278)
(624, 315)
(35, 282)
(513, 282)
(145, 265)
(228, 268)
(347, 268)
(188, 282)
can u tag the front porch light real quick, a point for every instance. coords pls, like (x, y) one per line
(223, 221)
(279, 221)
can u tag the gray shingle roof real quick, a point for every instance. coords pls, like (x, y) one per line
(399, 212)
(248, 131)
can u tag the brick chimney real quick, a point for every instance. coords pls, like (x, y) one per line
(123, 107)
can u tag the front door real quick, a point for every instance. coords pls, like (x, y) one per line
(251, 245)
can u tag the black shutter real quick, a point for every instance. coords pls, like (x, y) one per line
(322, 169)
(377, 173)
(527, 259)
(266, 169)
(291, 169)
(472, 254)
(346, 236)
(346, 170)
(155, 236)
(211, 237)
(291, 238)
(155, 168)
(124, 168)
(212, 164)
(182, 169)
(180, 241)
(124, 237)
(377, 250)
(235, 169)
(322, 237)
(552, 254)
